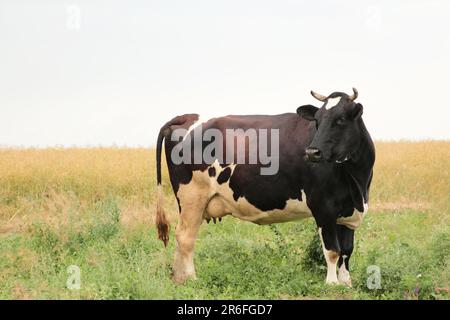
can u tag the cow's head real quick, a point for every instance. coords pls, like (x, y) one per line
(337, 123)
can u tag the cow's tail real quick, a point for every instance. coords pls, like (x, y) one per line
(161, 221)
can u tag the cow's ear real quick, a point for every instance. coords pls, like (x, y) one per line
(357, 111)
(307, 112)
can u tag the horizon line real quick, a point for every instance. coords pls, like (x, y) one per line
(153, 146)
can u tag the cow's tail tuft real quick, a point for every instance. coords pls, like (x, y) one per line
(161, 221)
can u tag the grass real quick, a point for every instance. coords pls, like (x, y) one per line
(94, 208)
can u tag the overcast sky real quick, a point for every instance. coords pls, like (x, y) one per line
(103, 72)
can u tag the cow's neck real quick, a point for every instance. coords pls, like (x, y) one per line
(360, 166)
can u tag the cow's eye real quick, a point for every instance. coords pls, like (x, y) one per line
(340, 121)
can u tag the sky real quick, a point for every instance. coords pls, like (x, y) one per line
(104, 72)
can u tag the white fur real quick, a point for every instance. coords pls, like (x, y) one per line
(332, 102)
(355, 220)
(331, 265)
(344, 274)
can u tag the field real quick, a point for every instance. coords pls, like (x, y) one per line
(94, 208)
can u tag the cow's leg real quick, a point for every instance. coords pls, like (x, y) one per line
(346, 237)
(331, 250)
(192, 207)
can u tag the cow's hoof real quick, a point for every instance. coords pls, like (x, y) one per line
(346, 282)
(331, 282)
(181, 279)
(344, 278)
(178, 280)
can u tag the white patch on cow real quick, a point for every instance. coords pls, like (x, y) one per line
(366, 208)
(332, 102)
(193, 201)
(293, 210)
(355, 220)
(331, 258)
(344, 274)
(198, 122)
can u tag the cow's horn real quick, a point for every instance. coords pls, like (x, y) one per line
(354, 95)
(319, 96)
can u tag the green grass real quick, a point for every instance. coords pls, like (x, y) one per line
(235, 260)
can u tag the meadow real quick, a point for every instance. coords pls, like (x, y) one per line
(94, 208)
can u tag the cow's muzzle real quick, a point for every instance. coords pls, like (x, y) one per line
(313, 154)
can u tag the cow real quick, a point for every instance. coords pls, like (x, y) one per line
(325, 165)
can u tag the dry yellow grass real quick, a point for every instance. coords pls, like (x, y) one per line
(414, 174)
(49, 185)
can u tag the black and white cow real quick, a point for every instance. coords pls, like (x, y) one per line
(325, 158)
